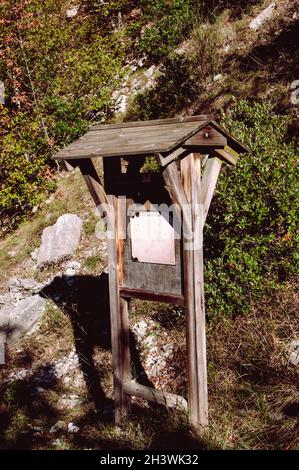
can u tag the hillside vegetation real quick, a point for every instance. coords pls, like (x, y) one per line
(163, 58)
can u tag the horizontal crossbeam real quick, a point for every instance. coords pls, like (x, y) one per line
(162, 398)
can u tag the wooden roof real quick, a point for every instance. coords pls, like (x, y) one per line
(141, 138)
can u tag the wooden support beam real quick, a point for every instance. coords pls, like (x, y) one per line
(226, 154)
(208, 183)
(174, 187)
(178, 153)
(93, 182)
(162, 398)
(119, 323)
(194, 298)
(154, 296)
(118, 307)
(186, 193)
(69, 166)
(126, 373)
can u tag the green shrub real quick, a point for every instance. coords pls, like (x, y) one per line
(23, 156)
(170, 23)
(59, 76)
(251, 239)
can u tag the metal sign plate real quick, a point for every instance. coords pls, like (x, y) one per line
(152, 238)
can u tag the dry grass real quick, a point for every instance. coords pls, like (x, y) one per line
(71, 196)
(254, 400)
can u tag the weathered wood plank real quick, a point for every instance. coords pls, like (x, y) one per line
(122, 153)
(94, 185)
(126, 125)
(194, 298)
(225, 154)
(208, 136)
(208, 184)
(150, 295)
(118, 316)
(178, 153)
(125, 355)
(117, 143)
(162, 398)
(152, 277)
(176, 191)
(149, 130)
(199, 304)
(234, 143)
(188, 258)
(116, 325)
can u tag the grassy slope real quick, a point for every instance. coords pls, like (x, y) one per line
(253, 396)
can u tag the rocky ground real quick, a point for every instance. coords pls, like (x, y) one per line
(48, 322)
(56, 383)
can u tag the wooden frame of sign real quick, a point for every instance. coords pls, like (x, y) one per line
(187, 181)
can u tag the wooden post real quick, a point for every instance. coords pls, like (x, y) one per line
(118, 307)
(119, 324)
(209, 181)
(186, 192)
(195, 308)
(193, 195)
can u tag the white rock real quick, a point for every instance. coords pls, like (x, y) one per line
(12, 253)
(262, 17)
(218, 77)
(59, 426)
(149, 341)
(5, 299)
(72, 428)
(122, 103)
(141, 62)
(60, 240)
(140, 329)
(72, 268)
(22, 287)
(21, 375)
(71, 12)
(50, 199)
(34, 254)
(65, 367)
(17, 320)
(57, 442)
(294, 352)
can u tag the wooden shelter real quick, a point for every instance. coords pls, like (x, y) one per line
(189, 152)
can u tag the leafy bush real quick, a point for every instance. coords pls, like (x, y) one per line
(23, 156)
(59, 76)
(170, 23)
(252, 237)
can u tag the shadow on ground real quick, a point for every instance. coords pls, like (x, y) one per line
(26, 416)
(85, 300)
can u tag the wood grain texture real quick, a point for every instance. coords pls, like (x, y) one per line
(225, 154)
(162, 398)
(152, 277)
(116, 324)
(194, 298)
(126, 125)
(126, 373)
(208, 136)
(148, 138)
(150, 295)
(209, 181)
(92, 181)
